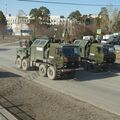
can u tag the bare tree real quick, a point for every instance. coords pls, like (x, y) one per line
(3, 23)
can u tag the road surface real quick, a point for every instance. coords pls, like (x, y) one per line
(99, 89)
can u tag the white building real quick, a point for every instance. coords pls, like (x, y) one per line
(57, 20)
(17, 23)
(18, 27)
(16, 20)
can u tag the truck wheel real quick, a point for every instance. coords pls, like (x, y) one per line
(18, 62)
(71, 74)
(51, 73)
(96, 68)
(42, 70)
(85, 66)
(25, 64)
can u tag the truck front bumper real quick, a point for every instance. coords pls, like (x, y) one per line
(69, 70)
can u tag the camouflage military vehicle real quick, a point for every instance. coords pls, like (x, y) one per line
(53, 59)
(95, 55)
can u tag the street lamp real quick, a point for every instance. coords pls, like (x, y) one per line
(84, 25)
(55, 32)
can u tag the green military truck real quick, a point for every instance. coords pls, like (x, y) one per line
(53, 59)
(95, 56)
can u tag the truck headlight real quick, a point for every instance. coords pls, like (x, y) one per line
(112, 50)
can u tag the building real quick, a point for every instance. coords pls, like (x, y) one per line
(18, 29)
(57, 20)
(17, 23)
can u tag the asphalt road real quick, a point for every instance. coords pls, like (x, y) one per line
(99, 89)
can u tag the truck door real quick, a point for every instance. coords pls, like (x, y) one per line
(99, 54)
(58, 57)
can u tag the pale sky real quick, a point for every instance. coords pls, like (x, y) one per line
(13, 6)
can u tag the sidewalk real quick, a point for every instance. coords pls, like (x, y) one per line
(5, 115)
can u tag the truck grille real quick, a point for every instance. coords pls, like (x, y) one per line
(109, 58)
(71, 64)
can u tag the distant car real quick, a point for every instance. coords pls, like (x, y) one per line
(105, 39)
(114, 40)
(88, 37)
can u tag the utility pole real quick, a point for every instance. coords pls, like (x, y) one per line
(6, 7)
(66, 32)
(110, 13)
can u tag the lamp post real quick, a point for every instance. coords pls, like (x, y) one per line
(84, 26)
(55, 33)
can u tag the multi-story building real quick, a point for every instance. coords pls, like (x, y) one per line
(16, 20)
(17, 23)
(57, 20)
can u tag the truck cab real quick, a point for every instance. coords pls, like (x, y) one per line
(66, 56)
(95, 53)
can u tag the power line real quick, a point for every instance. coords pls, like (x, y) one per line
(65, 3)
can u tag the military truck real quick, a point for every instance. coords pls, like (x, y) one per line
(53, 59)
(95, 56)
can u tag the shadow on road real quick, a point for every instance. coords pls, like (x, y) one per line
(116, 67)
(84, 75)
(3, 49)
(8, 74)
(87, 76)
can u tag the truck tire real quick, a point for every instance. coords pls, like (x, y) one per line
(43, 70)
(85, 66)
(18, 62)
(96, 68)
(51, 73)
(25, 65)
(71, 74)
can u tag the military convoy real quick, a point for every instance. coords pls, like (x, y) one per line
(53, 59)
(95, 56)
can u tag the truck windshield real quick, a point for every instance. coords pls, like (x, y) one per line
(109, 49)
(70, 51)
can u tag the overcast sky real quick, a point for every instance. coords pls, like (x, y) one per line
(13, 6)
